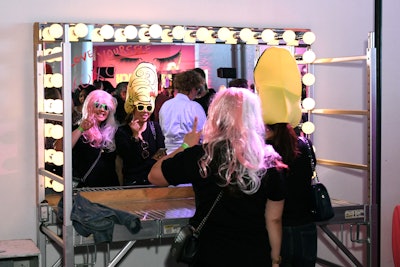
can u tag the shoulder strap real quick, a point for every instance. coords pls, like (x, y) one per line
(314, 178)
(153, 130)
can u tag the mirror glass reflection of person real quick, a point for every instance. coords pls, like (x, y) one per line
(244, 228)
(177, 114)
(93, 146)
(137, 142)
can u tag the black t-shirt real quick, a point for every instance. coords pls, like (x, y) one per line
(135, 167)
(235, 233)
(103, 172)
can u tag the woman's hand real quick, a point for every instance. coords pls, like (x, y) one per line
(86, 125)
(192, 138)
(137, 128)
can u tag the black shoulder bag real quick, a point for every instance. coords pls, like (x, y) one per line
(322, 206)
(186, 242)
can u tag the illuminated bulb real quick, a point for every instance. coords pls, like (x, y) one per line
(178, 32)
(48, 155)
(155, 31)
(143, 35)
(58, 106)
(57, 80)
(96, 37)
(202, 34)
(46, 34)
(166, 36)
(81, 30)
(224, 33)
(289, 36)
(189, 38)
(308, 103)
(47, 80)
(246, 34)
(308, 38)
(58, 158)
(130, 32)
(308, 79)
(107, 31)
(72, 35)
(56, 30)
(57, 186)
(47, 129)
(57, 131)
(48, 105)
(119, 36)
(308, 127)
(308, 56)
(268, 35)
(47, 182)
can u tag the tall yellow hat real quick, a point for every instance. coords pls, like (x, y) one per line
(278, 81)
(142, 87)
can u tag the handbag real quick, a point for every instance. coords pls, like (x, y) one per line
(321, 201)
(186, 243)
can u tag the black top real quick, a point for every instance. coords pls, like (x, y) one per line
(235, 233)
(297, 209)
(83, 157)
(136, 166)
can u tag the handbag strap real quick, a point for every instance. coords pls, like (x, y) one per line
(209, 212)
(314, 177)
(91, 167)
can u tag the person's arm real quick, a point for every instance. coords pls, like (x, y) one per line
(273, 219)
(76, 134)
(156, 176)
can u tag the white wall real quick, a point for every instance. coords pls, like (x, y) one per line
(341, 28)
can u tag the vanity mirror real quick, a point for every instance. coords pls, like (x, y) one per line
(70, 54)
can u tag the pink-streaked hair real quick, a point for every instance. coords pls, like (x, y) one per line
(100, 136)
(234, 140)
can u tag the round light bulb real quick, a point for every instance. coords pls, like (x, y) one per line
(47, 182)
(155, 31)
(57, 186)
(289, 36)
(309, 38)
(308, 79)
(130, 32)
(46, 36)
(119, 35)
(308, 103)
(107, 31)
(202, 34)
(178, 32)
(143, 32)
(246, 34)
(308, 127)
(48, 105)
(308, 56)
(166, 36)
(56, 30)
(48, 155)
(58, 158)
(267, 35)
(47, 129)
(224, 33)
(57, 131)
(57, 80)
(81, 30)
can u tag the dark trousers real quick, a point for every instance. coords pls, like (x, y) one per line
(299, 246)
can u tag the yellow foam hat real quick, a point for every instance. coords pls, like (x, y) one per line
(278, 81)
(142, 87)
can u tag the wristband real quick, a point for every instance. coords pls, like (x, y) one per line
(80, 129)
(184, 146)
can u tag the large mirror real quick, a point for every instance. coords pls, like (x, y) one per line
(71, 54)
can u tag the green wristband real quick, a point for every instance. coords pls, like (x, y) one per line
(184, 146)
(80, 129)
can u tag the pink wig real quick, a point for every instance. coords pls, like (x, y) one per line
(100, 135)
(236, 126)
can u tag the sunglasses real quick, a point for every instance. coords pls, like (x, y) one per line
(145, 147)
(144, 108)
(101, 106)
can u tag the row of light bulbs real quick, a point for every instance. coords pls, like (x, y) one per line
(168, 34)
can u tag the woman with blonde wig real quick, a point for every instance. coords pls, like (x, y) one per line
(244, 228)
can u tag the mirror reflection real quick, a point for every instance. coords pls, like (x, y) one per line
(108, 66)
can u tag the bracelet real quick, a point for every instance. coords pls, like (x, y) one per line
(81, 129)
(184, 146)
(277, 261)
